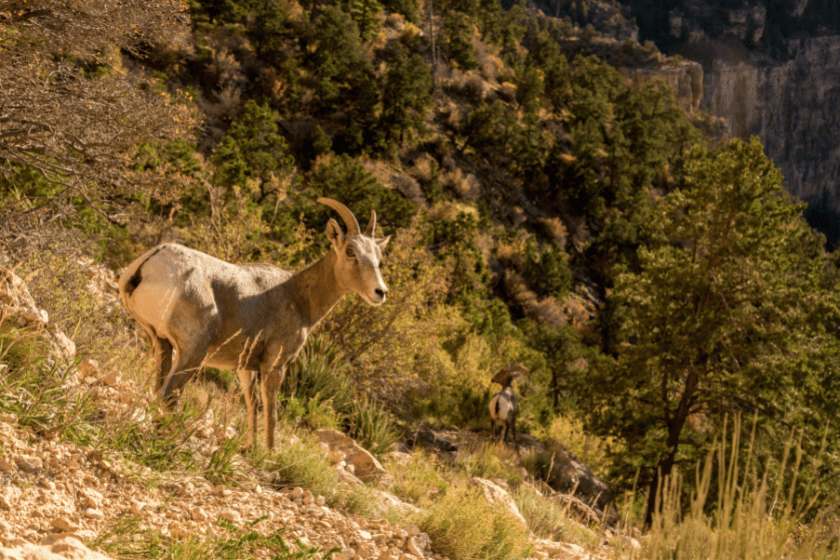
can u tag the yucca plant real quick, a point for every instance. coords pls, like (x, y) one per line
(372, 427)
(319, 374)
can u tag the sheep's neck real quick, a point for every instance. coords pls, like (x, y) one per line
(316, 289)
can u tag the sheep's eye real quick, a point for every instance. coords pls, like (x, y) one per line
(350, 252)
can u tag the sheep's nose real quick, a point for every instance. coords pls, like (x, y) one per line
(381, 292)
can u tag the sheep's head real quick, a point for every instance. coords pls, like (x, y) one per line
(358, 254)
(508, 373)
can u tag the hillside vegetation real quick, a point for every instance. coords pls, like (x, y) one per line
(676, 313)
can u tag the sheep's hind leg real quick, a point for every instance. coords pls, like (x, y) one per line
(270, 384)
(248, 381)
(163, 360)
(184, 367)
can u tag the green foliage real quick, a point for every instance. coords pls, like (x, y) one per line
(419, 481)
(406, 96)
(547, 519)
(463, 525)
(299, 461)
(33, 387)
(547, 270)
(372, 427)
(717, 318)
(458, 36)
(253, 150)
(319, 374)
(489, 461)
(128, 538)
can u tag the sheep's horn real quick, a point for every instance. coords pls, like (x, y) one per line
(520, 369)
(372, 224)
(346, 214)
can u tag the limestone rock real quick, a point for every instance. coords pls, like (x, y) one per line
(365, 466)
(498, 496)
(28, 463)
(65, 546)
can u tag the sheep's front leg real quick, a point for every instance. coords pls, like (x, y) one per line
(272, 379)
(248, 381)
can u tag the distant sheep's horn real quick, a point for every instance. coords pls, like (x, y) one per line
(372, 224)
(346, 214)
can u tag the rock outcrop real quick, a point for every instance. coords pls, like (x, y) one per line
(772, 70)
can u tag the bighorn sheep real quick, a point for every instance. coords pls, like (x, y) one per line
(504, 405)
(253, 318)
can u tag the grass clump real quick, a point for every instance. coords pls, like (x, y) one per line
(490, 460)
(418, 480)
(751, 518)
(463, 525)
(549, 520)
(299, 461)
(127, 539)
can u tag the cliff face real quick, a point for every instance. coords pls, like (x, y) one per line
(771, 69)
(792, 106)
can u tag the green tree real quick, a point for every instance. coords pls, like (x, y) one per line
(719, 319)
(406, 96)
(458, 36)
(252, 149)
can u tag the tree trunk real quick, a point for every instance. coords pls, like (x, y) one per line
(675, 426)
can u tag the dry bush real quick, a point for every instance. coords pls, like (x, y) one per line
(548, 311)
(578, 233)
(449, 210)
(226, 105)
(578, 309)
(490, 65)
(225, 68)
(466, 186)
(410, 189)
(422, 168)
(554, 229)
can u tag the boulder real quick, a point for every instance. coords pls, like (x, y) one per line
(498, 496)
(365, 466)
(63, 546)
(17, 303)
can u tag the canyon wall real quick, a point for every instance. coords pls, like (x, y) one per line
(770, 69)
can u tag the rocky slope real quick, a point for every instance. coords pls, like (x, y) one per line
(57, 497)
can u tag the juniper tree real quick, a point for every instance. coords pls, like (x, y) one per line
(725, 315)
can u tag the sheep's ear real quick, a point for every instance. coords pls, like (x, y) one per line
(334, 233)
(382, 243)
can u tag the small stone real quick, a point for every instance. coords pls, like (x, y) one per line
(198, 514)
(365, 551)
(232, 515)
(4, 503)
(28, 463)
(94, 513)
(539, 555)
(179, 531)
(320, 501)
(414, 547)
(364, 535)
(297, 492)
(308, 498)
(220, 490)
(64, 524)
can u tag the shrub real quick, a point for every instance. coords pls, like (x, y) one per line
(419, 480)
(463, 525)
(372, 427)
(488, 460)
(319, 375)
